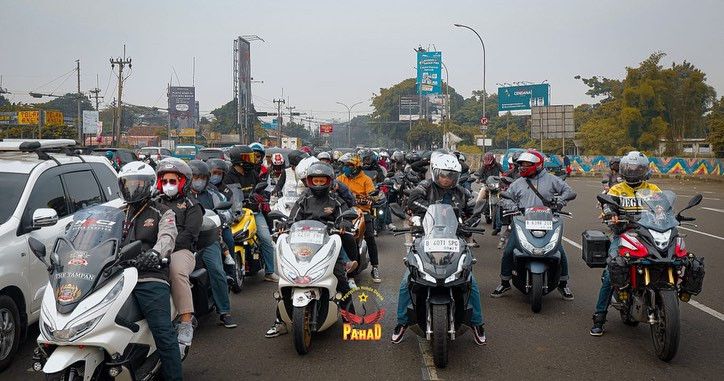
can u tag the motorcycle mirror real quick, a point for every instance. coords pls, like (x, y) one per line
(505, 195)
(696, 200)
(604, 181)
(130, 251)
(375, 193)
(606, 199)
(223, 205)
(260, 187)
(38, 248)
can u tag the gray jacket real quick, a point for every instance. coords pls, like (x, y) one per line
(546, 184)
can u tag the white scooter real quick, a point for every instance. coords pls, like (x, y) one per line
(285, 203)
(91, 326)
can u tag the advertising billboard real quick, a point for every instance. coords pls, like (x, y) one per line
(519, 99)
(182, 107)
(326, 129)
(409, 108)
(10, 117)
(28, 118)
(552, 122)
(90, 122)
(429, 72)
(54, 118)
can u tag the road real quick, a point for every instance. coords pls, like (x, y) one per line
(553, 344)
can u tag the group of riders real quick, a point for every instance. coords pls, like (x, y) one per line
(165, 204)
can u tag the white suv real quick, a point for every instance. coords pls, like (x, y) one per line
(42, 183)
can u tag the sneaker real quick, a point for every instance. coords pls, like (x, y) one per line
(399, 333)
(500, 290)
(229, 260)
(501, 242)
(376, 275)
(185, 333)
(598, 321)
(479, 334)
(227, 321)
(350, 266)
(565, 292)
(391, 227)
(271, 277)
(277, 329)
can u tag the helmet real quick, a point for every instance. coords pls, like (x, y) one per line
(174, 165)
(461, 157)
(258, 148)
(384, 155)
(319, 178)
(306, 149)
(634, 168)
(445, 166)
(398, 156)
(136, 181)
(277, 159)
(324, 156)
(301, 169)
(614, 163)
(242, 155)
(217, 164)
(296, 156)
(488, 159)
(413, 157)
(109, 155)
(427, 155)
(351, 164)
(336, 155)
(199, 169)
(530, 156)
(368, 157)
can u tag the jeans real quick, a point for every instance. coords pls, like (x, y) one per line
(604, 294)
(211, 256)
(265, 242)
(370, 239)
(153, 300)
(228, 239)
(404, 299)
(506, 264)
(497, 218)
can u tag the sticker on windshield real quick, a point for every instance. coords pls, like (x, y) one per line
(307, 236)
(538, 225)
(442, 244)
(68, 293)
(78, 260)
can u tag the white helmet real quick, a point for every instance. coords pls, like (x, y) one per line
(136, 181)
(301, 169)
(324, 156)
(445, 165)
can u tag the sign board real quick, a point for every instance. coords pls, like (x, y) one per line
(484, 121)
(409, 108)
(168, 144)
(90, 122)
(518, 100)
(54, 118)
(481, 141)
(552, 122)
(187, 132)
(28, 118)
(182, 107)
(429, 72)
(10, 117)
(326, 129)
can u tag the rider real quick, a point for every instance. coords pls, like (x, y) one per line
(218, 169)
(325, 157)
(114, 163)
(398, 162)
(361, 186)
(260, 153)
(443, 188)
(384, 160)
(490, 167)
(613, 177)
(157, 232)
(209, 198)
(523, 194)
(634, 169)
(278, 165)
(295, 157)
(173, 182)
(243, 173)
(369, 163)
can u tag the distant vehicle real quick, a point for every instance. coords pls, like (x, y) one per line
(156, 153)
(42, 188)
(212, 153)
(121, 155)
(187, 152)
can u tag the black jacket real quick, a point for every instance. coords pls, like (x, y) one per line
(484, 172)
(323, 209)
(427, 193)
(155, 227)
(189, 217)
(247, 181)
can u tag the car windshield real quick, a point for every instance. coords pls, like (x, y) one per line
(11, 187)
(185, 151)
(657, 210)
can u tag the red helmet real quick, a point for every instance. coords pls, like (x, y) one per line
(534, 157)
(488, 159)
(306, 149)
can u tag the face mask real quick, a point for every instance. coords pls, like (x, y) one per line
(347, 171)
(170, 190)
(215, 179)
(198, 185)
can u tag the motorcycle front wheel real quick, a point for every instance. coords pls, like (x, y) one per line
(536, 292)
(302, 331)
(440, 339)
(665, 332)
(237, 277)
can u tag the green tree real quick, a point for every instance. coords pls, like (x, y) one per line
(715, 125)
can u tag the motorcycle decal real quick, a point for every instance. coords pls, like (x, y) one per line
(78, 259)
(68, 293)
(148, 223)
(76, 275)
(366, 326)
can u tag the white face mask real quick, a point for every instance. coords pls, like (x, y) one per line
(170, 190)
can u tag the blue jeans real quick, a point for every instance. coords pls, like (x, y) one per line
(228, 239)
(154, 301)
(265, 242)
(215, 267)
(506, 264)
(604, 294)
(497, 218)
(404, 299)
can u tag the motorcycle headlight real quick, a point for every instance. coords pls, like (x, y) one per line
(113, 293)
(554, 240)
(72, 333)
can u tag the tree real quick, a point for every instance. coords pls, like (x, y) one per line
(715, 124)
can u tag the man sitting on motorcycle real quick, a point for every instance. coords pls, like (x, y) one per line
(295, 157)
(174, 181)
(613, 177)
(369, 163)
(259, 166)
(634, 169)
(398, 162)
(209, 198)
(534, 176)
(218, 169)
(278, 166)
(154, 225)
(443, 188)
(361, 186)
(490, 167)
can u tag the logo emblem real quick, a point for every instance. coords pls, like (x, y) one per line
(362, 314)
(68, 293)
(148, 223)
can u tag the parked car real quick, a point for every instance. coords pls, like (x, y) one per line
(121, 156)
(212, 153)
(42, 187)
(187, 152)
(156, 153)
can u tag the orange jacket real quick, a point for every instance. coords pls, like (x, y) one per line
(361, 186)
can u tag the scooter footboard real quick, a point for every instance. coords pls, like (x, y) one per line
(65, 356)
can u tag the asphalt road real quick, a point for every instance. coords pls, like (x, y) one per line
(553, 344)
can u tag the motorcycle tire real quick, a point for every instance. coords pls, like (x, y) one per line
(440, 338)
(301, 327)
(536, 292)
(665, 333)
(237, 280)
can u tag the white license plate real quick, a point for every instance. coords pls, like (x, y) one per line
(442, 244)
(313, 237)
(538, 225)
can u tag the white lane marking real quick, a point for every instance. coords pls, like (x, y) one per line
(429, 371)
(692, 302)
(713, 209)
(702, 233)
(703, 198)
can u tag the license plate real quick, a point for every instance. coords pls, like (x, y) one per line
(442, 244)
(538, 225)
(312, 237)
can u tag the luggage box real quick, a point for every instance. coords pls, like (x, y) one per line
(595, 248)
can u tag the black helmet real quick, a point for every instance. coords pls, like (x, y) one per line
(199, 168)
(413, 157)
(296, 156)
(217, 164)
(242, 155)
(319, 178)
(614, 163)
(398, 156)
(427, 155)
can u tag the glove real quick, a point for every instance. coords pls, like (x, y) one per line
(148, 260)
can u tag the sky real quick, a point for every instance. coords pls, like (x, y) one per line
(317, 52)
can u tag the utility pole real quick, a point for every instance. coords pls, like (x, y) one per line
(78, 117)
(95, 95)
(291, 115)
(121, 62)
(279, 103)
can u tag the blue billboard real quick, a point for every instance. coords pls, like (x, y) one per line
(519, 99)
(429, 72)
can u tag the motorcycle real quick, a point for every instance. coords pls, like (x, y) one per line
(538, 232)
(91, 326)
(653, 269)
(488, 195)
(440, 264)
(246, 247)
(285, 203)
(380, 209)
(307, 298)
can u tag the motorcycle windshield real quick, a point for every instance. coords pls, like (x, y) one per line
(657, 210)
(88, 245)
(237, 198)
(306, 238)
(441, 242)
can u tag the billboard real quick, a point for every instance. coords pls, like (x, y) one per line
(28, 117)
(182, 107)
(409, 108)
(429, 72)
(90, 122)
(552, 122)
(243, 62)
(54, 118)
(326, 129)
(519, 99)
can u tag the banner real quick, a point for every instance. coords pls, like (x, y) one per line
(54, 118)
(326, 129)
(519, 99)
(187, 132)
(182, 107)
(90, 122)
(10, 117)
(28, 118)
(429, 72)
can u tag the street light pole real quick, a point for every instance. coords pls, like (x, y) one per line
(349, 121)
(485, 94)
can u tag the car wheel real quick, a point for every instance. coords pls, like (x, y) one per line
(9, 330)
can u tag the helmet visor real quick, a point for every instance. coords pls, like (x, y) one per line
(633, 172)
(318, 181)
(446, 178)
(135, 188)
(248, 158)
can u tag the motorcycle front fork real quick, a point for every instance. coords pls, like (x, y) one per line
(451, 317)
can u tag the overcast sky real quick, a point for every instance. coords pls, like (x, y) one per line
(322, 52)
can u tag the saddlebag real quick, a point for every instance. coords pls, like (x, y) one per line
(693, 278)
(595, 248)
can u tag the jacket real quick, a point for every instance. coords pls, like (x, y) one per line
(323, 209)
(154, 225)
(547, 185)
(427, 193)
(361, 186)
(630, 198)
(189, 216)
(485, 172)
